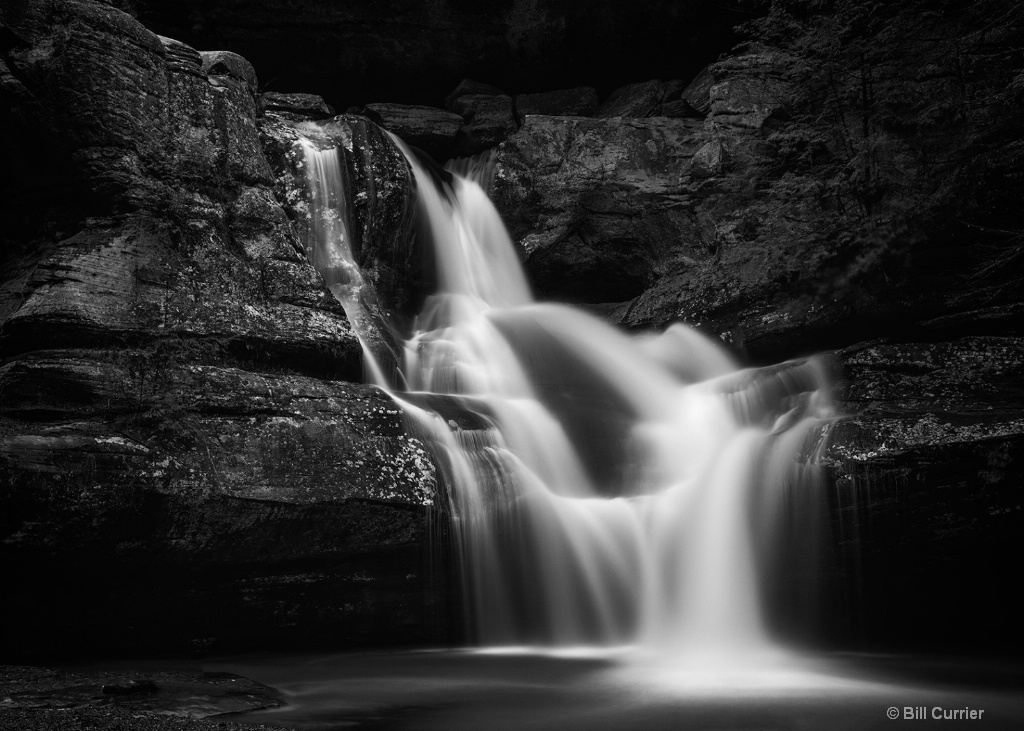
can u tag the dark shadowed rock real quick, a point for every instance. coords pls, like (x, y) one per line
(468, 87)
(302, 106)
(182, 58)
(679, 108)
(578, 102)
(925, 468)
(48, 698)
(488, 121)
(430, 129)
(586, 240)
(226, 63)
(751, 88)
(141, 324)
(642, 99)
(708, 161)
(698, 92)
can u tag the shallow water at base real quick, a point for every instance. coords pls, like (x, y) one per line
(588, 688)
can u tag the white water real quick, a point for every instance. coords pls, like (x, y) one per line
(607, 489)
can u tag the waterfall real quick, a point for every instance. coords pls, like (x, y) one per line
(606, 488)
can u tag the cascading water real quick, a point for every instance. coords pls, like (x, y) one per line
(606, 489)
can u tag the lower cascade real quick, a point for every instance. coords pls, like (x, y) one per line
(606, 488)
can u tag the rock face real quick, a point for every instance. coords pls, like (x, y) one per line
(296, 106)
(488, 120)
(431, 129)
(635, 100)
(552, 188)
(660, 219)
(925, 501)
(181, 426)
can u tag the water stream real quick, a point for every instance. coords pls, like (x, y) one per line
(636, 518)
(611, 489)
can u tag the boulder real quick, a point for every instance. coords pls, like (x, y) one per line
(750, 89)
(488, 121)
(297, 106)
(226, 63)
(679, 108)
(698, 92)
(578, 102)
(433, 130)
(642, 99)
(709, 160)
(468, 87)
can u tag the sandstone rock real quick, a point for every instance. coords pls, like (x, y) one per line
(578, 102)
(140, 325)
(212, 130)
(468, 87)
(585, 239)
(750, 89)
(642, 99)
(182, 58)
(678, 108)
(698, 92)
(433, 130)
(924, 468)
(488, 121)
(380, 201)
(302, 106)
(227, 63)
(709, 160)
(94, 83)
(288, 439)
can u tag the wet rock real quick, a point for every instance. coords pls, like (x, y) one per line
(578, 102)
(133, 687)
(380, 201)
(924, 468)
(433, 130)
(107, 698)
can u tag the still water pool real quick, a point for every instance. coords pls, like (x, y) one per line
(518, 688)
